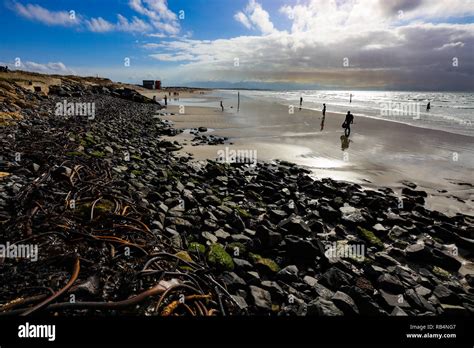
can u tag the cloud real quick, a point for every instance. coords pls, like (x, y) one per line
(99, 25)
(386, 54)
(157, 16)
(135, 25)
(157, 35)
(411, 9)
(255, 16)
(394, 7)
(58, 68)
(173, 57)
(451, 45)
(242, 18)
(45, 16)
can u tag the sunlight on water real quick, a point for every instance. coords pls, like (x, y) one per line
(450, 111)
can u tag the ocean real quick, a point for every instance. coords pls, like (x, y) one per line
(450, 111)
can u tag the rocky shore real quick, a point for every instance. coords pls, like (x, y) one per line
(127, 224)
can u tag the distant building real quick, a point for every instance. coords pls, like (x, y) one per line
(149, 84)
(152, 84)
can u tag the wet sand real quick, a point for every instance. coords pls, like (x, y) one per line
(377, 153)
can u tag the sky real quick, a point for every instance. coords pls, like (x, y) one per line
(328, 44)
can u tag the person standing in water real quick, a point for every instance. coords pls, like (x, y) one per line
(324, 110)
(301, 102)
(166, 100)
(350, 99)
(222, 106)
(428, 107)
(347, 123)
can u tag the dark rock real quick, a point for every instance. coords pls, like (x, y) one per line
(289, 273)
(295, 225)
(445, 295)
(300, 249)
(328, 213)
(397, 232)
(419, 301)
(453, 310)
(334, 278)
(209, 237)
(398, 312)
(470, 280)
(240, 302)
(351, 215)
(316, 226)
(221, 234)
(275, 290)
(323, 308)
(446, 260)
(310, 281)
(322, 291)
(345, 303)
(277, 215)
(365, 302)
(422, 291)
(252, 277)
(232, 280)
(261, 298)
(394, 300)
(412, 193)
(242, 264)
(390, 283)
(270, 239)
(418, 252)
(385, 259)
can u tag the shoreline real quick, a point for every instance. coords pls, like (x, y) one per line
(324, 161)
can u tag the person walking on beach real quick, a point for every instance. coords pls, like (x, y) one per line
(222, 106)
(166, 100)
(301, 102)
(428, 107)
(347, 123)
(324, 110)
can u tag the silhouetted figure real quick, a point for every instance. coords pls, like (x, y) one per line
(166, 100)
(222, 106)
(350, 99)
(347, 123)
(428, 107)
(301, 101)
(324, 110)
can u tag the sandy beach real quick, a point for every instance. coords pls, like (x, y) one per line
(377, 153)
